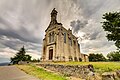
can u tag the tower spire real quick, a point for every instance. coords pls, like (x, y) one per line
(53, 16)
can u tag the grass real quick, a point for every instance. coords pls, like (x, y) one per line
(100, 67)
(40, 73)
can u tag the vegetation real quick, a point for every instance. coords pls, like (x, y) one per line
(112, 26)
(40, 73)
(21, 56)
(114, 56)
(100, 67)
(35, 60)
(96, 57)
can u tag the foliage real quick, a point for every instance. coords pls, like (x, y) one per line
(20, 56)
(112, 26)
(96, 57)
(35, 60)
(40, 73)
(114, 56)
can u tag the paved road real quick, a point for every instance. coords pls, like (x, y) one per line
(13, 73)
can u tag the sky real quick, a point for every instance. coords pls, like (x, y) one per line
(23, 22)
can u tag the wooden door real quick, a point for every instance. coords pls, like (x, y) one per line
(50, 54)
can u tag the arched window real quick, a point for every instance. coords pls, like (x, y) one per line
(70, 41)
(51, 37)
(64, 37)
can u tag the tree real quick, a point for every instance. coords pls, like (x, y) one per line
(35, 60)
(96, 57)
(114, 56)
(112, 26)
(21, 56)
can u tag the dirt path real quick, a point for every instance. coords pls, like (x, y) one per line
(13, 73)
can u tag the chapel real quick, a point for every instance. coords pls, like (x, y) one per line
(59, 44)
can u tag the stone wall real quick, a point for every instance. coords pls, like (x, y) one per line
(85, 72)
(111, 75)
(70, 70)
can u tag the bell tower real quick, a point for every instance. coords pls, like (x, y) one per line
(53, 16)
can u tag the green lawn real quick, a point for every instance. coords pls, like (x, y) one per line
(99, 66)
(40, 73)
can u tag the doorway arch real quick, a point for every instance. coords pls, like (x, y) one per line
(50, 54)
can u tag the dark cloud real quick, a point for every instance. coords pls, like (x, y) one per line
(21, 34)
(89, 8)
(13, 44)
(77, 25)
(94, 35)
(91, 32)
(16, 44)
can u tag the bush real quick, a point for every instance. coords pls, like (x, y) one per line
(96, 57)
(35, 60)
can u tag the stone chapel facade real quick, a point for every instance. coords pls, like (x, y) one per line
(60, 44)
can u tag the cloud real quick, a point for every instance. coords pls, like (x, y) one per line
(7, 53)
(91, 36)
(77, 25)
(94, 40)
(21, 34)
(16, 44)
(10, 46)
(35, 54)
